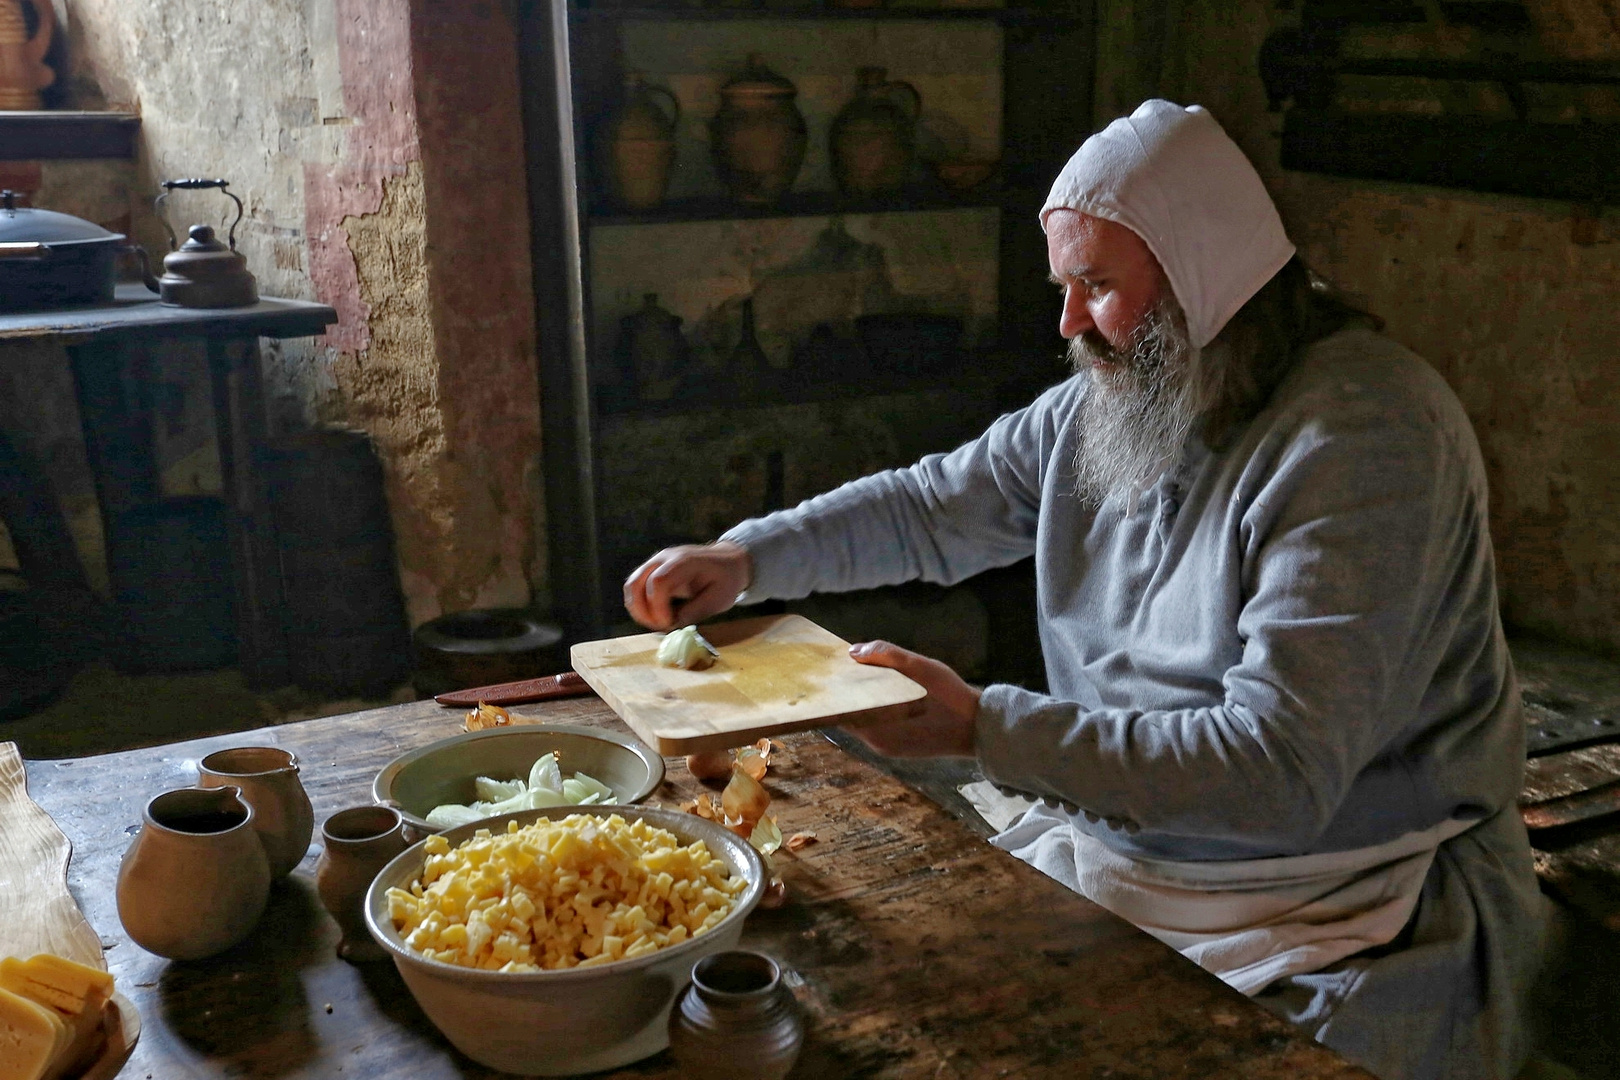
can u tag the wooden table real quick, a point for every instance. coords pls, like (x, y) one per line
(916, 949)
(108, 346)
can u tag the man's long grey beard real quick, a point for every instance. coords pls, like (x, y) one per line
(1140, 409)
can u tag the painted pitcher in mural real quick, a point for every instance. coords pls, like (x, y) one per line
(23, 71)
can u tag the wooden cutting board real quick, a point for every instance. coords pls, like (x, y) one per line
(38, 914)
(776, 674)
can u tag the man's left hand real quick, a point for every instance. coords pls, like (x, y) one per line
(941, 725)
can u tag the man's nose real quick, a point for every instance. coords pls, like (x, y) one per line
(1076, 318)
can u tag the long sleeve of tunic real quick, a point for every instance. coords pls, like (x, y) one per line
(1290, 645)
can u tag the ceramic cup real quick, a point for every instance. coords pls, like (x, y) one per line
(736, 1020)
(268, 777)
(358, 842)
(195, 879)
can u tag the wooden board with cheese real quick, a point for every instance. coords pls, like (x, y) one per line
(775, 674)
(39, 920)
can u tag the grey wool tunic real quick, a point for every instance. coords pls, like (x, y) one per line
(1288, 646)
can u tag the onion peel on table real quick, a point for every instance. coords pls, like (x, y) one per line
(486, 716)
(717, 764)
(741, 809)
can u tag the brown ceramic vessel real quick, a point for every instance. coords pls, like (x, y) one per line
(736, 1020)
(195, 880)
(268, 777)
(639, 145)
(23, 71)
(358, 842)
(874, 138)
(759, 135)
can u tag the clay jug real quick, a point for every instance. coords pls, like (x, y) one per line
(748, 369)
(23, 71)
(268, 778)
(639, 144)
(874, 138)
(358, 842)
(758, 137)
(736, 1020)
(652, 351)
(195, 880)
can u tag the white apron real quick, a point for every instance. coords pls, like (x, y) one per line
(1250, 921)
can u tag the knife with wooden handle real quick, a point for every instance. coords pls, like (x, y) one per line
(545, 688)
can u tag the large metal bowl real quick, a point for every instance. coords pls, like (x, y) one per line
(443, 772)
(580, 1020)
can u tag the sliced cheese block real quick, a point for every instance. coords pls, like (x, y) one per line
(62, 984)
(31, 1036)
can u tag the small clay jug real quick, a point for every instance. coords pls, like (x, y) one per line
(748, 369)
(358, 842)
(23, 71)
(874, 138)
(268, 777)
(639, 144)
(652, 352)
(736, 1020)
(195, 880)
(759, 136)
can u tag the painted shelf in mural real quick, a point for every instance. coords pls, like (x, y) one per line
(1005, 16)
(989, 376)
(1549, 161)
(47, 135)
(798, 204)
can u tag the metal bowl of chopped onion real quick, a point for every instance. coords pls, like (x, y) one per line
(482, 771)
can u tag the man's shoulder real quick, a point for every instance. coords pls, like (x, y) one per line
(1358, 378)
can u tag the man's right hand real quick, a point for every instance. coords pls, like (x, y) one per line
(684, 585)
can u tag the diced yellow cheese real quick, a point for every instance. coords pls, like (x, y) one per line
(31, 1035)
(63, 984)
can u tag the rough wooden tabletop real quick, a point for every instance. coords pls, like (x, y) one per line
(1579, 863)
(916, 949)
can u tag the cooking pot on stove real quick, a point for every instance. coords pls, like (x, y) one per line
(51, 260)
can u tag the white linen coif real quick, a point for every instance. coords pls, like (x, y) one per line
(1173, 177)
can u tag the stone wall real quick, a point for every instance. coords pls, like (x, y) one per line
(378, 146)
(1512, 299)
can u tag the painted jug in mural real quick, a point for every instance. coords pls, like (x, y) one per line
(640, 144)
(874, 138)
(759, 135)
(23, 71)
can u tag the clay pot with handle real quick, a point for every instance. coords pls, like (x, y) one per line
(638, 146)
(23, 71)
(195, 880)
(874, 138)
(268, 779)
(759, 136)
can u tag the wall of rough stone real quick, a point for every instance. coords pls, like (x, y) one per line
(378, 147)
(1495, 291)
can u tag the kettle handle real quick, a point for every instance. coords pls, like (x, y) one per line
(910, 91)
(195, 184)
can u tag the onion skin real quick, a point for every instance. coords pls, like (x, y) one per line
(709, 764)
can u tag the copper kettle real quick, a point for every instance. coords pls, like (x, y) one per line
(202, 272)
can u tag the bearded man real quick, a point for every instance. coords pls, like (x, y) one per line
(1283, 733)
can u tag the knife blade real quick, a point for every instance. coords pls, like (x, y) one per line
(545, 688)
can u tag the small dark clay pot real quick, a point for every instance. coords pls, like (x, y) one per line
(736, 1020)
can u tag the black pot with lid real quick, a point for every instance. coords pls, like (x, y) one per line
(52, 260)
(202, 272)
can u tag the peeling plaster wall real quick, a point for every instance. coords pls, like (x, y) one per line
(378, 147)
(1492, 290)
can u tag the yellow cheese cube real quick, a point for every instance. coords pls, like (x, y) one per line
(30, 1037)
(60, 983)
